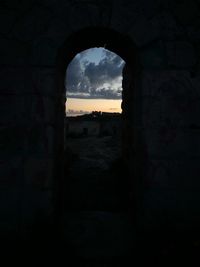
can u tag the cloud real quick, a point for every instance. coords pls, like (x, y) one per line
(75, 79)
(86, 79)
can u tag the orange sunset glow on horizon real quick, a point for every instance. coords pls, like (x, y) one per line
(76, 106)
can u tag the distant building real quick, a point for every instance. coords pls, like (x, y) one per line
(94, 124)
(81, 127)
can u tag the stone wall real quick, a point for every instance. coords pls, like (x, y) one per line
(165, 109)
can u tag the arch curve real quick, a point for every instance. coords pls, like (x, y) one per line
(86, 38)
(77, 42)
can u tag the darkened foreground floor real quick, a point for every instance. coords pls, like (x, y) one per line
(96, 227)
(151, 249)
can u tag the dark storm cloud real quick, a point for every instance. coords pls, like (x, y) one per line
(89, 80)
(107, 93)
(76, 81)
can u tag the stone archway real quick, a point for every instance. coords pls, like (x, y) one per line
(124, 47)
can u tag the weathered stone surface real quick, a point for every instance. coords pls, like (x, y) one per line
(9, 206)
(38, 172)
(49, 107)
(9, 86)
(7, 19)
(185, 173)
(186, 12)
(153, 56)
(172, 143)
(44, 80)
(35, 208)
(161, 104)
(37, 143)
(16, 4)
(176, 206)
(42, 108)
(13, 52)
(129, 13)
(151, 8)
(50, 136)
(33, 23)
(180, 54)
(152, 80)
(193, 33)
(83, 14)
(155, 115)
(11, 173)
(170, 28)
(145, 31)
(43, 52)
(100, 234)
(172, 100)
(13, 140)
(58, 29)
(14, 109)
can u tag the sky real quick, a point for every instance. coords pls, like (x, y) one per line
(94, 82)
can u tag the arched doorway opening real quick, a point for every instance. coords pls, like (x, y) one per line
(122, 46)
(93, 161)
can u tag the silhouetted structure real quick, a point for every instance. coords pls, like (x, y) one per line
(94, 124)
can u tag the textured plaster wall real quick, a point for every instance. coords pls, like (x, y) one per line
(167, 116)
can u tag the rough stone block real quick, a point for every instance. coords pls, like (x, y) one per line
(172, 192)
(175, 209)
(11, 173)
(33, 24)
(153, 56)
(58, 29)
(81, 15)
(37, 109)
(13, 52)
(14, 109)
(43, 52)
(177, 174)
(180, 54)
(38, 173)
(172, 143)
(47, 82)
(170, 98)
(129, 13)
(84, 228)
(170, 29)
(42, 109)
(145, 31)
(44, 81)
(49, 106)
(7, 19)
(37, 143)
(9, 212)
(193, 32)
(185, 11)
(40, 139)
(16, 81)
(153, 80)
(157, 112)
(13, 141)
(35, 205)
(50, 133)
(150, 8)
(15, 4)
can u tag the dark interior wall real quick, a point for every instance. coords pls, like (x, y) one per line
(165, 109)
